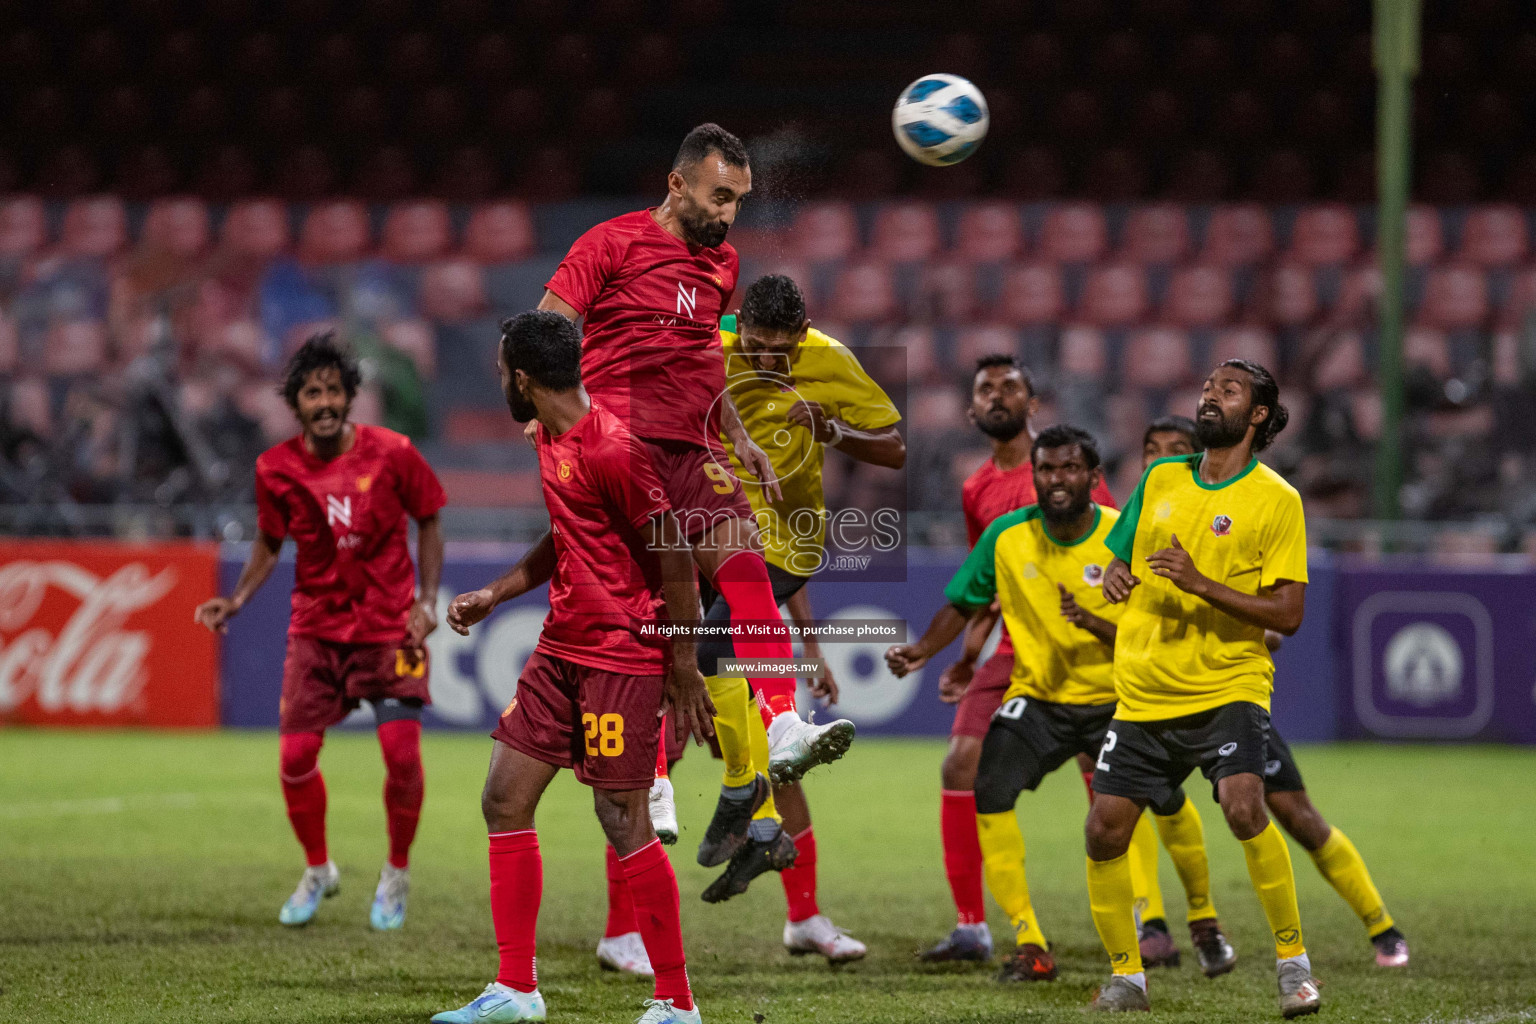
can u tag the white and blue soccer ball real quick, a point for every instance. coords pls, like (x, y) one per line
(940, 119)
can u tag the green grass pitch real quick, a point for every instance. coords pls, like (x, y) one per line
(143, 873)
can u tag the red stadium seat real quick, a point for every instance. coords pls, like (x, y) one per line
(1254, 344)
(1199, 175)
(823, 232)
(257, 227)
(95, 227)
(1084, 352)
(1156, 357)
(75, 346)
(1455, 297)
(1521, 299)
(225, 175)
(499, 232)
(387, 175)
(1033, 295)
(1238, 236)
(1325, 235)
(1289, 296)
(417, 232)
(1283, 176)
(948, 291)
(984, 340)
(1033, 175)
(453, 291)
(178, 226)
(905, 232)
(23, 225)
(1156, 234)
(30, 406)
(415, 338)
(1074, 233)
(1114, 295)
(909, 354)
(10, 347)
(1343, 364)
(467, 175)
(937, 409)
(1429, 348)
(243, 343)
(863, 293)
(989, 233)
(1116, 175)
(336, 231)
(1199, 296)
(259, 400)
(1494, 236)
(305, 174)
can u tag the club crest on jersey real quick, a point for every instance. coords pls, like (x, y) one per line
(364, 482)
(1221, 525)
(563, 471)
(1093, 575)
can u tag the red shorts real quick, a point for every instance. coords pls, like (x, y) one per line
(323, 682)
(701, 485)
(984, 695)
(601, 724)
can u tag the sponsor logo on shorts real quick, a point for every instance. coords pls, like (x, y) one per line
(509, 708)
(1093, 575)
(1227, 748)
(1286, 936)
(1221, 525)
(1271, 767)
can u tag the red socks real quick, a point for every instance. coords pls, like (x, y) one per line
(743, 581)
(800, 879)
(1088, 781)
(962, 854)
(517, 885)
(403, 785)
(304, 791)
(621, 905)
(658, 913)
(661, 750)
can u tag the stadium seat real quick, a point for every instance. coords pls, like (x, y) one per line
(1156, 357)
(499, 232)
(1199, 175)
(971, 343)
(23, 226)
(549, 176)
(948, 292)
(225, 175)
(906, 354)
(1114, 295)
(1078, 115)
(145, 173)
(178, 226)
(904, 232)
(387, 175)
(1157, 116)
(1425, 236)
(30, 406)
(259, 400)
(824, 232)
(1238, 236)
(414, 57)
(242, 343)
(1033, 294)
(417, 232)
(75, 347)
(989, 233)
(468, 174)
(1429, 348)
(1156, 235)
(1455, 296)
(1256, 344)
(336, 231)
(10, 346)
(452, 291)
(1034, 174)
(1283, 176)
(1343, 364)
(652, 59)
(1324, 236)
(1520, 300)
(863, 293)
(521, 111)
(1084, 352)
(1242, 116)
(256, 227)
(415, 338)
(1288, 296)
(1494, 236)
(1199, 296)
(1074, 233)
(305, 174)
(936, 409)
(95, 227)
(1116, 175)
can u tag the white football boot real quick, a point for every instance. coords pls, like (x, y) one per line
(625, 953)
(818, 934)
(664, 811)
(796, 746)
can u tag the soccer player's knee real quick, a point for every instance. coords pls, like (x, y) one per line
(402, 751)
(1107, 837)
(959, 769)
(625, 818)
(995, 793)
(1300, 818)
(1244, 812)
(298, 754)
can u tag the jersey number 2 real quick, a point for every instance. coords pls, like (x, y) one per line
(607, 730)
(1110, 739)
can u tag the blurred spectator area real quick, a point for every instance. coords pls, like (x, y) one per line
(1119, 311)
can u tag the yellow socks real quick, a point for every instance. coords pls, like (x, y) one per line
(1184, 837)
(1269, 867)
(1342, 865)
(731, 698)
(1111, 899)
(1002, 853)
(1143, 854)
(757, 735)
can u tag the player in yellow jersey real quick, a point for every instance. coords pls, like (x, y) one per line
(798, 392)
(1210, 552)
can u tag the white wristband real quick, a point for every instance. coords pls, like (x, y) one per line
(837, 433)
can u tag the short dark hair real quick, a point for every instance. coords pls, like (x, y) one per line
(1172, 425)
(1263, 391)
(710, 138)
(775, 302)
(545, 345)
(1062, 435)
(318, 353)
(992, 359)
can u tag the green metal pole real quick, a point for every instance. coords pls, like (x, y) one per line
(1397, 61)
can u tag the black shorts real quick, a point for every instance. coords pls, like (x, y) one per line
(1280, 772)
(717, 612)
(1146, 761)
(1028, 739)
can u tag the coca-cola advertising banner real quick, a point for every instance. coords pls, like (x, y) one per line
(102, 634)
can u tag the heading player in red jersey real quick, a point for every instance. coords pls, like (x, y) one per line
(651, 287)
(589, 696)
(1003, 402)
(359, 621)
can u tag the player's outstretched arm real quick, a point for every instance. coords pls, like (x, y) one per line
(881, 447)
(956, 679)
(687, 696)
(941, 632)
(216, 612)
(753, 459)
(1279, 607)
(535, 567)
(429, 573)
(1082, 618)
(799, 605)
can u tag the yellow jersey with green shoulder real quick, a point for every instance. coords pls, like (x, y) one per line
(1018, 562)
(824, 371)
(1177, 654)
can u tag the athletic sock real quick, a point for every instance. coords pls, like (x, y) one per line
(742, 580)
(517, 885)
(304, 792)
(1183, 836)
(1345, 870)
(1143, 854)
(962, 855)
(1269, 868)
(1002, 850)
(404, 785)
(731, 696)
(1113, 906)
(800, 879)
(1088, 784)
(661, 750)
(621, 905)
(757, 742)
(658, 913)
